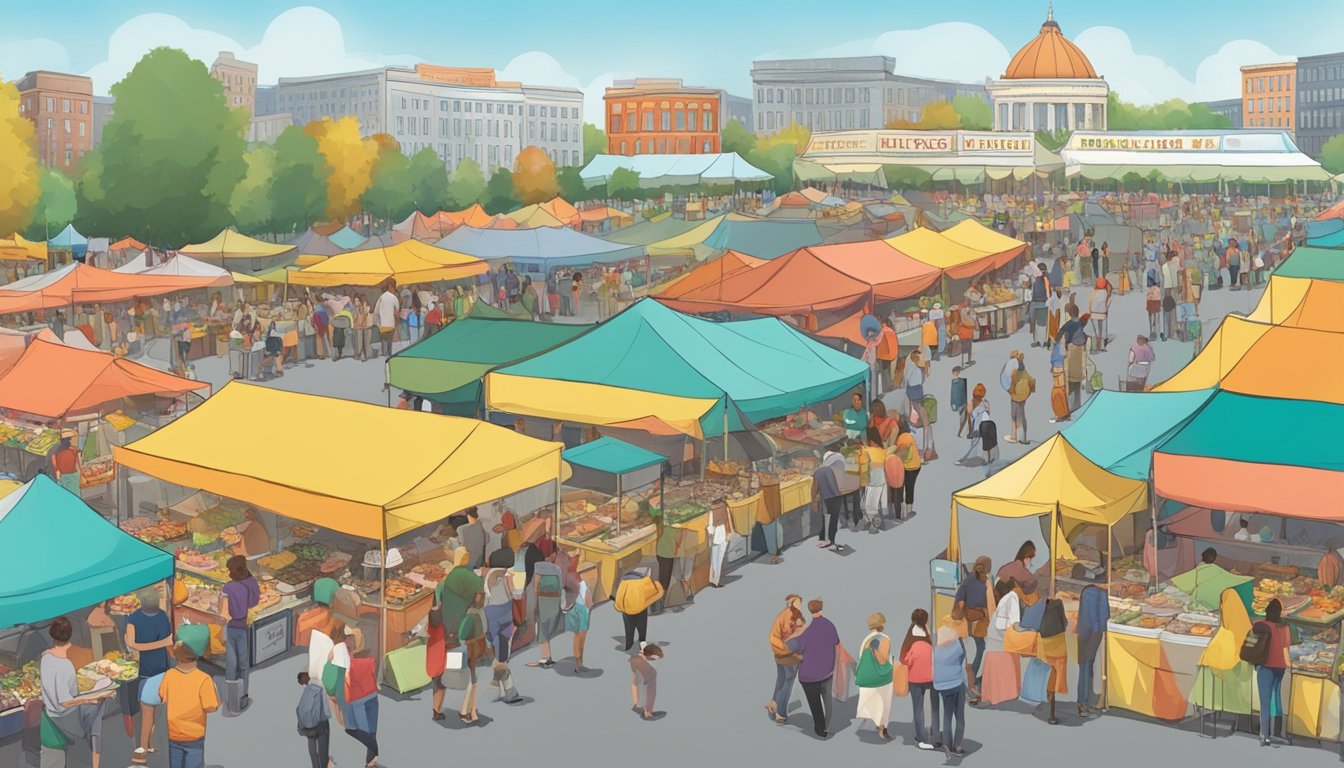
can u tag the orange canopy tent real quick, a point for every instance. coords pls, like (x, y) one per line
(128, 244)
(710, 273)
(475, 216)
(54, 381)
(81, 284)
(818, 278)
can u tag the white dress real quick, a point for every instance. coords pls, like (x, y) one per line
(874, 703)
(1007, 613)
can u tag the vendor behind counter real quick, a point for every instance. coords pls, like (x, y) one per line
(1206, 582)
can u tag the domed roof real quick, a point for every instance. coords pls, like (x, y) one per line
(1049, 55)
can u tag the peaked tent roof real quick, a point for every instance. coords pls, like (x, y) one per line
(80, 283)
(603, 213)
(68, 238)
(91, 560)
(1209, 463)
(54, 381)
(674, 170)
(137, 264)
(1333, 239)
(311, 242)
(1118, 431)
(613, 456)
(652, 231)
(966, 250)
(534, 216)
(763, 238)
(472, 216)
(230, 244)
(128, 244)
(18, 248)
(470, 347)
(552, 246)
(710, 273)
(407, 225)
(409, 262)
(363, 490)
(1053, 475)
(1301, 303)
(1310, 261)
(345, 238)
(186, 266)
(766, 367)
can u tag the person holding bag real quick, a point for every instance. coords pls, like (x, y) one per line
(917, 658)
(973, 603)
(874, 676)
(315, 721)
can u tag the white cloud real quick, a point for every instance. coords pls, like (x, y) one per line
(923, 52)
(299, 42)
(1144, 79)
(1219, 75)
(20, 57)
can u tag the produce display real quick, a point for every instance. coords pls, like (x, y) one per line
(154, 531)
(1194, 624)
(683, 512)
(1326, 605)
(43, 443)
(1315, 651)
(999, 294)
(1295, 594)
(210, 565)
(207, 526)
(18, 686)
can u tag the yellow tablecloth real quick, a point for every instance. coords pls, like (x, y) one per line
(607, 560)
(795, 494)
(1140, 677)
(1313, 707)
(696, 535)
(743, 512)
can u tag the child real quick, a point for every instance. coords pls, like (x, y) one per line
(641, 665)
(957, 400)
(314, 721)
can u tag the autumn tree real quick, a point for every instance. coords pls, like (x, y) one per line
(19, 176)
(467, 185)
(299, 181)
(499, 195)
(55, 205)
(534, 176)
(251, 202)
(350, 159)
(171, 154)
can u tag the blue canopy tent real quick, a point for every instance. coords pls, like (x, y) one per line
(538, 250)
(347, 238)
(763, 238)
(57, 555)
(70, 240)
(1118, 431)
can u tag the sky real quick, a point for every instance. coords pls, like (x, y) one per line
(1148, 50)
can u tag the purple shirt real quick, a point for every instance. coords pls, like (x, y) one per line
(818, 644)
(242, 596)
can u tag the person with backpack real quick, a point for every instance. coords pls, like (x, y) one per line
(1040, 294)
(979, 411)
(550, 619)
(1266, 647)
(1021, 387)
(315, 721)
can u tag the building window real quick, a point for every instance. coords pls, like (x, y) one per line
(760, 96)
(770, 97)
(638, 147)
(457, 126)
(648, 121)
(51, 104)
(564, 132)
(65, 106)
(424, 125)
(478, 127)
(83, 107)
(662, 146)
(553, 131)
(622, 147)
(508, 130)
(615, 123)
(681, 120)
(666, 121)
(760, 122)
(81, 129)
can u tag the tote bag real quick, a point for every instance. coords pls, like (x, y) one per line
(1035, 681)
(900, 680)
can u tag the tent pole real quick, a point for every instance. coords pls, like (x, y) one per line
(618, 502)
(1105, 686)
(1054, 526)
(382, 604)
(555, 514)
(725, 429)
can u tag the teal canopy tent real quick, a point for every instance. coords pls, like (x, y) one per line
(57, 555)
(1313, 262)
(347, 238)
(1118, 431)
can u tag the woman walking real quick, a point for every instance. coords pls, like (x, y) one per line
(476, 651)
(912, 461)
(949, 680)
(499, 597)
(873, 676)
(917, 656)
(973, 604)
(875, 488)
(360, 712)
(242, 594)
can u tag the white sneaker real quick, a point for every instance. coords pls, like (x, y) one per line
(924, 745)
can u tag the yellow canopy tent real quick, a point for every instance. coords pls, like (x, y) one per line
(230, 244)
(963, 251)
(241, 279)
(407, 262)
(683, 244)
(309, 259)
(534, 216)
(364, 489)
(1301, 303)
(19, 248)
(571, 401)
(1054, 479)
(1267, 361)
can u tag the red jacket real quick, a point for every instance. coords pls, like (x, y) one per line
(919, 660)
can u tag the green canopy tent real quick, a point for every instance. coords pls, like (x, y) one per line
(448, 366)
(1314, 262)
(57, 555)
(615, 467)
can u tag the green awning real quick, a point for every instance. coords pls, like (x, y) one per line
(1310, 261)
(467, 349)
(613, 456)
(57, 555)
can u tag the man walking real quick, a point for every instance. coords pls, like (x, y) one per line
(820, 647)
(188, 695)
(385, 316)
(1040, 293)
(720, 528)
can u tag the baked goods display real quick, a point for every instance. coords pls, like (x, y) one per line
(1315, 651)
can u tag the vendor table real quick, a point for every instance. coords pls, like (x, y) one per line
(270, 635)
(1151, 672)
(1002, 319)
(611, 563)
(401, 618)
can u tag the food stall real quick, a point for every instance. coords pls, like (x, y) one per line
(43, 576)
(607, 514)
(363, 514)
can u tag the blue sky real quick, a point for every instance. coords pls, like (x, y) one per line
(1148, 50)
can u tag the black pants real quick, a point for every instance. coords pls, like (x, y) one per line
(894, 496)
(319, 745)
(637, 623)
(369, 741)
(665, 572)
(831, 518)
(819, 701)
(911, 475)
(854, 505)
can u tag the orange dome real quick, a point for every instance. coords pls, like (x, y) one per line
(1049, 55)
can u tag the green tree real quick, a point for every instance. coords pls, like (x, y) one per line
(736, 138)
(55, 207)
(391, 195)
(1332, 154)
(1172, 114)
(299, 182)
(251, 201)
(571, 184)
(467, 185)
(594, 142)
(776, 160)
(92, 211)
(623, 185)
(20, 175)
(429, 183)
(499, 196)
(975, 113)
(534, 176)
(172, 153)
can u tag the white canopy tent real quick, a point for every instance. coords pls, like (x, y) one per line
(1197, 156)
(966, 156)
(673, 170)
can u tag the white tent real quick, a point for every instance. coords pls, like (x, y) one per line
(672, 170)
(966, 156)
(139, 263)
(1199, 156)
(177, 266)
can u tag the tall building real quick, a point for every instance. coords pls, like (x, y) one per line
(456, 111)
(1049, 86)
(735, 108)
(832, 94)
(61, 108)
(1269, 95)
(103, 109)
(1320, 101)
(662, 116)
(1229, 108)
(239, 79)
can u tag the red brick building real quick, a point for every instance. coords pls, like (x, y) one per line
(657, 116)
(61, 108)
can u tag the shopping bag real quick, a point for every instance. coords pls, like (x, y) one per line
(454, 660)
(333, 679)
(1035, 681)
(900, 679)
(51, 736)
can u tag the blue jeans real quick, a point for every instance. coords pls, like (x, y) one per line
(1087, 660)
(979, 657)
(237, 655)
(499, 625)
(1269, 683)
(186, 754)
(917, 693)
(785, 675)
(954, 706)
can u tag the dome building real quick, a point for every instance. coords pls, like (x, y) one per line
(1049, 86)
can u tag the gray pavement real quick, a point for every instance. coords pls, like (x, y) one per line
(718, 672)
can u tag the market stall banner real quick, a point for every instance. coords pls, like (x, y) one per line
(57, 555)
(893, 143)
(367, 488)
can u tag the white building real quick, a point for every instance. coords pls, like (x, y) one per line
(457, 112)
(265, 129)
(1049, 86)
